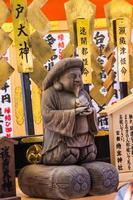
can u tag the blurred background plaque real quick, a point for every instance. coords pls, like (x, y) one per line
(7, 169)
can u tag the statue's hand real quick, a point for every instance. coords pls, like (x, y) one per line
(87, 111)
(80, 110)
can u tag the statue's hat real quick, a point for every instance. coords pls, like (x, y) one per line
(59, 68)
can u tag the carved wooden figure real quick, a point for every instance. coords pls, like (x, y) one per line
(70, 124)
(69, 117)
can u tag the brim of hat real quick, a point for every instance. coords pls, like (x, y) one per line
(59, 68)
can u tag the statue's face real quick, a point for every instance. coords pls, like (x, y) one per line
(72, 80)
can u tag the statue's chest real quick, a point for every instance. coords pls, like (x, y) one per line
(67, 101)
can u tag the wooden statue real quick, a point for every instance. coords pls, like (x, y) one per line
(69, 169)
(69, 118)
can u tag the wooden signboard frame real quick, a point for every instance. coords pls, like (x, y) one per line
(120, 117)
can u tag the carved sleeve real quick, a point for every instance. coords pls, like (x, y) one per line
(56, 120)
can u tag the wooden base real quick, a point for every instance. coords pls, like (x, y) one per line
(11, 198)
(103, 197)
(126, 176)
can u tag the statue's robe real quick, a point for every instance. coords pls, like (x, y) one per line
(61, 126)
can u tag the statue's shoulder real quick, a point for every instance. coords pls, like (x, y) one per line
(50, 92)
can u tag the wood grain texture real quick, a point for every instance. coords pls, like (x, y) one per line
(105, 197)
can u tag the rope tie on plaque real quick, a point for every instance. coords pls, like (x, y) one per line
(119, 28)
(41, 51)
(81, 27)
(29, 30)
(5, 41)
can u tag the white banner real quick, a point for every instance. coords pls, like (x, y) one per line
(6, 118)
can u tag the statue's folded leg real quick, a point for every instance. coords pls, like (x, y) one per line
(88, 153)
(104, 177)
(61, 155)
(54, 182)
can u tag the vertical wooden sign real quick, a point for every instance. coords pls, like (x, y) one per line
(123, 33)
(21, 36)
(24, 58)
(83, 43)
(7, 169)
